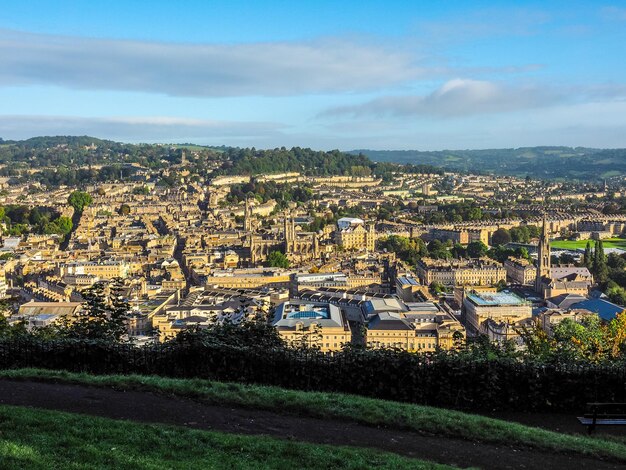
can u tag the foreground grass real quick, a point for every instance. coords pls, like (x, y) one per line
(348, 407)
(37, 439)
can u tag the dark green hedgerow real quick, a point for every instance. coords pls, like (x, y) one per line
(444, 380)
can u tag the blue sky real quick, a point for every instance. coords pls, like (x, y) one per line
(350, 74)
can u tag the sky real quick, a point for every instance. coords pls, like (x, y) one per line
(425, 75)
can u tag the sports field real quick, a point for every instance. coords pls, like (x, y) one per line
(574, 244)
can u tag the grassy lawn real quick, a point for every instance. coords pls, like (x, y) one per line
(575, 244)
(347, 407)
(39, 439)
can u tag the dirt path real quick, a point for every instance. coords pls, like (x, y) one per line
(152, 408)
(557, 422)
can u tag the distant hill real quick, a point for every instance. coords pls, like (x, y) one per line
(577, 163)
(53, 141)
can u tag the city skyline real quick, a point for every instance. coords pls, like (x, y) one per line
(358, 75)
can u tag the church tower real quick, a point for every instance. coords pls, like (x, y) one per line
(247, 223)
(290, 234)
(370, 238)
(543, 255)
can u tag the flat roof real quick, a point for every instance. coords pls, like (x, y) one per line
(307, 311)
(487, 299)
(289, 314)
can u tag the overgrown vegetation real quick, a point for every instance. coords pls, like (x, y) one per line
(588, 339)
(22, 220)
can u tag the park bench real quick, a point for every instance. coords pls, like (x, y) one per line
(603, 414)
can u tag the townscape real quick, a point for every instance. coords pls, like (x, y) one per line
(379, 255)
(330, 235)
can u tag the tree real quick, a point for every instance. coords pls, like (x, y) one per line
(520, 234)
(7, 330)
(438, 250)
(409, 250)
(501, 237)
(62, 226)
(588, 256)
(523, 253)
(475, 213)
(616, 293)
(102, 318)
(600, 268)
(79, 200)
(585, 339)
(276, 259)
(459, 251)
(124, 209)
(255, 332)
(501, 285)
(436, 287)
(145, 190)
(617, 334)
(477, 249)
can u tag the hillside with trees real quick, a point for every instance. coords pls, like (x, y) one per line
(576, 163)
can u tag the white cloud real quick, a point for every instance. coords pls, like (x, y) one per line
(457, 97)
(136, 129)
(204, 70)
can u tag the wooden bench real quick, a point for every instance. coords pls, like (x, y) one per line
(603, 414)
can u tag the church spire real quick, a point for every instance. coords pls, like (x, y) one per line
(543, 256)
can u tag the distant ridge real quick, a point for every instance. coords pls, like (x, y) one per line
(561, 163)
(574, 163)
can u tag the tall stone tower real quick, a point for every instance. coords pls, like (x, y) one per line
(370, 238)
(290, 233)
(543, 255)
(247, 223)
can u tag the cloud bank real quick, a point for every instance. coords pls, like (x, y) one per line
(200, 70)
(457, 97)
(135, 129)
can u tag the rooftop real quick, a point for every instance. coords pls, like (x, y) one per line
(308, 311)
(408, 281)
(289, 314)
(493, 299)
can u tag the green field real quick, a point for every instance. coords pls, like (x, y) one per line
(575, 244)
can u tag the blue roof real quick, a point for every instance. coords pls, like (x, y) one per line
(495, 298)
(305, 311)
(308, 314)
(605, 309)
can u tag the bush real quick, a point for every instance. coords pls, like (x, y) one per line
(474, 379)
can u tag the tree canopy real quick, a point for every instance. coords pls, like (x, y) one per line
(276, 259)
(79, 200)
